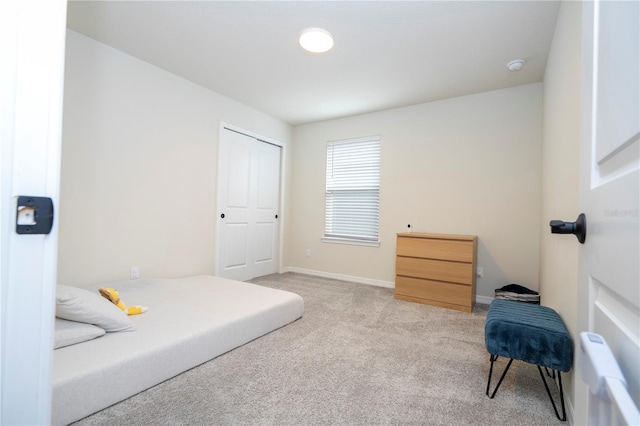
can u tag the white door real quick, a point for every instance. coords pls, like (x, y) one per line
(267, 201)
(248, 206)
(32, 42)
(609, 291)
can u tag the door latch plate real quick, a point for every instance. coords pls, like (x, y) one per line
(34, 215)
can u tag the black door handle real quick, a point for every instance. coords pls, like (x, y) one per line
(577, 228)
(222, 216)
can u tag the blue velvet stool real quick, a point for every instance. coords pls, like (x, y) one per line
(531, 333)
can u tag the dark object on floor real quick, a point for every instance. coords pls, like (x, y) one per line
(518, 293)
(530, 333)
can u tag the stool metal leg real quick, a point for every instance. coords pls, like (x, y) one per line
(564, 413)
(552, 374)
(493, 358)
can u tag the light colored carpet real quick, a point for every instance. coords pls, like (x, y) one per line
(356, 357)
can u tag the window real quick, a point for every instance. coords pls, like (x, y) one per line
(353, 191)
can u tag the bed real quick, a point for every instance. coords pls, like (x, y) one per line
(189, 321)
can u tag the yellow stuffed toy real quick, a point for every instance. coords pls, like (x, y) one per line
(113, 296)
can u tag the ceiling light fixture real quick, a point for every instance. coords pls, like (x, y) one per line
(316, 40)
(515, 65)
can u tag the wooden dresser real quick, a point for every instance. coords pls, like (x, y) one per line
(437, 269)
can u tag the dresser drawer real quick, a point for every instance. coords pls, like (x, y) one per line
(455, 250)
(437, 291)
(438, 270)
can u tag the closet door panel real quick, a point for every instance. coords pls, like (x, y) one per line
(248, 207)
(267, 160)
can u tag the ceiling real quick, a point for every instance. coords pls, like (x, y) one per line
(387, 54)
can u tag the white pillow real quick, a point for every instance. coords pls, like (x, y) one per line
(71, 332)
(76, 304)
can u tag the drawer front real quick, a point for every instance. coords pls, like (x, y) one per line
(460, 251)
(434, 291)
(439, 270)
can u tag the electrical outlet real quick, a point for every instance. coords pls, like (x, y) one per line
(135, 272)
(480, 272)
(308, 252)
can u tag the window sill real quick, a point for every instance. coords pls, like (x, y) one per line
(350, 242)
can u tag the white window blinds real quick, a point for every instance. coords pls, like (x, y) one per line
(353, 189)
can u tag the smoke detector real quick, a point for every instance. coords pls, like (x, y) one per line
(515, 65)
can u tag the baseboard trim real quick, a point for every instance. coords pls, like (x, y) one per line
(569, 406)
(342, 277)
(484, 300)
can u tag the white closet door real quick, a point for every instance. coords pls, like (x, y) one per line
(248, 201)
(267, 184)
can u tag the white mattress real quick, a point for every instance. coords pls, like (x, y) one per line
(189, 321)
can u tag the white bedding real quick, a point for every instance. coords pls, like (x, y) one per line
(189, 321)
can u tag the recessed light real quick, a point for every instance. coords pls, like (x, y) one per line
(515, 65)
(316, 40)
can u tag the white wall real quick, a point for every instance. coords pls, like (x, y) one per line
(139, 166)
(560, 171)
(468, 165)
